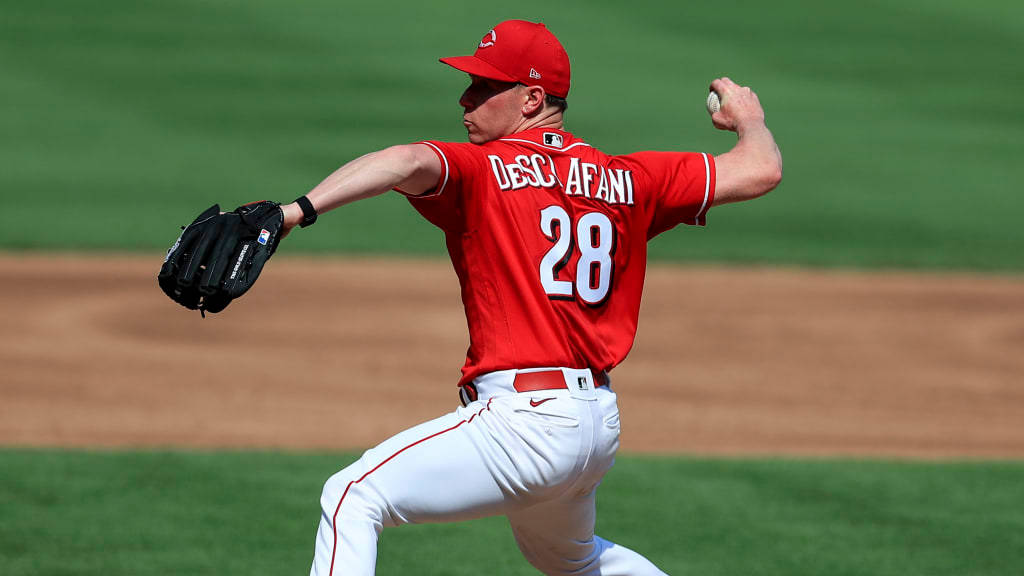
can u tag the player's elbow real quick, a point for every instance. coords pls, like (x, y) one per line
(767, 174)
(401, 158)
(771, 175)
(418, 168)
(747, 175)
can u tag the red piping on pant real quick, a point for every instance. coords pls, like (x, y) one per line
(334, 519)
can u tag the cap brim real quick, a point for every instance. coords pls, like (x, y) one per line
(477, 67)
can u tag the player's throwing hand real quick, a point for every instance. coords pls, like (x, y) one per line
(739, 106)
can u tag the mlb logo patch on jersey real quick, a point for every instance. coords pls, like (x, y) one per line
(552, 139)
(264, 236)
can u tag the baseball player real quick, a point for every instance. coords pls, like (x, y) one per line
(548, 236)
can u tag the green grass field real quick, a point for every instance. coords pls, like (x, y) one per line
(114, 513)
(902, 130)
(900, 122)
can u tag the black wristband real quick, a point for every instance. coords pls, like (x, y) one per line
(308, 213)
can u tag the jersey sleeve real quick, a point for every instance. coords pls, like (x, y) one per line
(679, 186)
(461, 164)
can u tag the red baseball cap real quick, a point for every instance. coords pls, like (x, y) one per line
(519, 51)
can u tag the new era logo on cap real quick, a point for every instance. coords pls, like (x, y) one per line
(534, 74)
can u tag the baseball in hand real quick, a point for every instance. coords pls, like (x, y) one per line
(714, 104)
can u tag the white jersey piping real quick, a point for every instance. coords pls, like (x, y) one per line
(445, 159)
(707, 186)
(543, 145)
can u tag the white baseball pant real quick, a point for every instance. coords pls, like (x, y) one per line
(535, 457)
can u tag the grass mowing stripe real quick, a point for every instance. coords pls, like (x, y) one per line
(125, 120)
(85, 513)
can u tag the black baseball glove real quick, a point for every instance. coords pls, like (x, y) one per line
(218, 257)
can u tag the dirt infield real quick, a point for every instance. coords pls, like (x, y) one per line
(342, 353)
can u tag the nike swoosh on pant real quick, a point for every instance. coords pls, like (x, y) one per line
(536, 403)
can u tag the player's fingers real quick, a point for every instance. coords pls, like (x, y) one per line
(747, 99)
(720, 121)
(723, 85)
(725, 89)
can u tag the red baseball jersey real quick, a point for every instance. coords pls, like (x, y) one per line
(548, 236)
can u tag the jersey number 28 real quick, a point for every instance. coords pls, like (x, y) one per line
(595, 236)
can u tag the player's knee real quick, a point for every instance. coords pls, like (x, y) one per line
(564, 567)
(346, 492)
(582, 560)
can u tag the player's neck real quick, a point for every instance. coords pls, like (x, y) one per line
(548, 118)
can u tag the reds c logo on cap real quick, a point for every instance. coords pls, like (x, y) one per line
(484, 42)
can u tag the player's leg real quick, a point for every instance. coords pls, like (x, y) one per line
(557, 536)
(430, 473)
(489, 458)
(502, 453)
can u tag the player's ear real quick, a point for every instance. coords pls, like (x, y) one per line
(533, 101)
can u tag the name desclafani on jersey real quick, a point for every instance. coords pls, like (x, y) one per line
(614, 186)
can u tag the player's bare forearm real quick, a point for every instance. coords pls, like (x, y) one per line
(754, 165)
(751, 169)
(413, 168)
